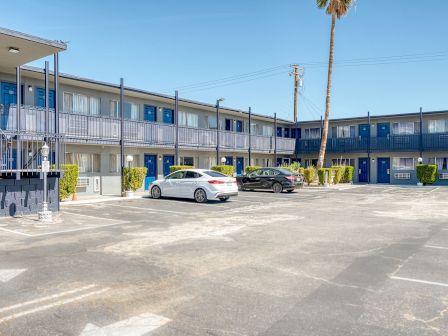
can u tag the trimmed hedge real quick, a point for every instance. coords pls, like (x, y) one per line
(309, 174)
(338, 174)
(427, 173)
(250, 169)
(176, 168)
(321, 175)
(67, 184)
(224, 169)
(133, 178)
(347, 174)
(293, 167)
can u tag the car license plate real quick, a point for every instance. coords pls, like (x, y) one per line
(229, 184)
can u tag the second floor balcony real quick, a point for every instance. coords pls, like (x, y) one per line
(393, 143)
(99, 129)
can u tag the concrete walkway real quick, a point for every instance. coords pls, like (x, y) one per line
(88, 199)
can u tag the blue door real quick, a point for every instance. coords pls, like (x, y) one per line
(40, 97)
(8, 96)
(168, 161)
(383, 170)
(363, 170)
(279, 162)
(229, 160)
(279, 131)
(150, 113)
(363, 130)
(9, 159)
(383, 130)
(239, 166)
(168, 116)
(151, 165)
(239, 126)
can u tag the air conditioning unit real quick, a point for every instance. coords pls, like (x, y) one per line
(96, 184)
(402, 176)
(443, 176)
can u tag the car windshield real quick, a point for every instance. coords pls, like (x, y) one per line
(214, 173)
(284, 171)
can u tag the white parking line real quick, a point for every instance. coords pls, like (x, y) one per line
(420, 281)
(52, 305)
(437, 247)
(46, 298)
(151, 209)
(16, 232)
(190, 203)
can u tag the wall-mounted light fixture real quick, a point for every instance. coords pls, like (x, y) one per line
(30, 88)
(14, 50)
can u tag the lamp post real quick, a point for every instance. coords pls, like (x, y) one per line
(45, 215)
(129, 159)
(217, 129)
(223, 160)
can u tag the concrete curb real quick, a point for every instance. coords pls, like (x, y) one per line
(100, 200)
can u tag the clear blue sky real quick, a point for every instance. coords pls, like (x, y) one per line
(162, 45)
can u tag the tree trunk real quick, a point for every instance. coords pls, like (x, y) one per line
(323, 142)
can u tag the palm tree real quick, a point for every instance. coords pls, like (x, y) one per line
(337, 9)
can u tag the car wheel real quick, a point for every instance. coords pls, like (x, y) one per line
(277, 188)
(223, 199)
(156, 192)
(200, 196)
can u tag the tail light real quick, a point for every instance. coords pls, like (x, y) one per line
(216, 182)
(291, 178)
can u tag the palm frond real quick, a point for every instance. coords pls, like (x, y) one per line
(335, 7)
(322, 3)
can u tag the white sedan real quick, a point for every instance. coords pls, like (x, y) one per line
(198, 184)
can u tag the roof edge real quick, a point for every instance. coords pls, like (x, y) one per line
(53, 43)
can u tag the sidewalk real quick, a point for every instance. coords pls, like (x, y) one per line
(89, 199)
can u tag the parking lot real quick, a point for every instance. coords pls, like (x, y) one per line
(352, 260)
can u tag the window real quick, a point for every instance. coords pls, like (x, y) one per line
(257, 172)
(438, 126)
(114, 109)
(187, 161)
(68, 102)
(267, 130)
(405, 127)
(312, 133)
(403, 163)
(441, 162)
(88, 163)
(176, 175)
(114, 163)
(130, 111)
(345, 132)
(192, 174)
(211, 122)
(94, 106)
(343, 162)
(214, 173)
(189, 119)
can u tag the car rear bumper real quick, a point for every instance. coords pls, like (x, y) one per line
(226, 194)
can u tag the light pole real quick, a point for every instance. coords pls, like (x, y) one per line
(129, 159)
(45, 215)
(217, 129)
(223, 160)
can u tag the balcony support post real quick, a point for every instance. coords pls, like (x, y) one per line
(176, 120)
(275, 140)
(368, 147)
(47, 105)
(250, 136)
(122, 163)
(218, 161)
(421, 133)
(56, 109)
(19, 127)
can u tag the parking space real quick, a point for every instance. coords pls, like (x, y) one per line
(361, 260)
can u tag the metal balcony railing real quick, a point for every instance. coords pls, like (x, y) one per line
(97, 128)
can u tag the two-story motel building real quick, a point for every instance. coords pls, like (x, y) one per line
(83, 124)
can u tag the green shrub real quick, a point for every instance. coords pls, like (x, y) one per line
(67, 184)
(302, 170)
(250, 169)
(176, 168)
(338, 174)
(133, 178)
(309, 174)
(224, 169)
(293, 167)
(427, 173)
(321, 175)
(347, 174)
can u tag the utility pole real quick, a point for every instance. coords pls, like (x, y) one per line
(298, 75)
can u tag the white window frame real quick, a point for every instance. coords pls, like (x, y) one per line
(437, 126)
(398, 163)
(403, 128)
